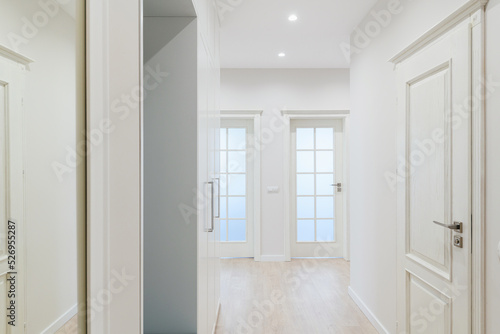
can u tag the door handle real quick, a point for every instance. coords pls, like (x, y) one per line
(456, 226)
(338, 185)
(211, 228)
(218, 197)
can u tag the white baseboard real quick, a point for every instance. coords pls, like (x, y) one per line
(59, 323)
(216, 318)
(373, 319)
(272, 258)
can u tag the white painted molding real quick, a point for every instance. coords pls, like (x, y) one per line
(478, 174)
(62, 320)
(15, 56)
(241, 112)
(438, 30)
(369, 314)
(273, 258)
(314, 112)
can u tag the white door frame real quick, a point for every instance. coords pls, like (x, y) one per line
(255, 116)
(288, 115)
(475, 11)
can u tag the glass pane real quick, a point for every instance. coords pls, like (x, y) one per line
(324, 138)
(237, 162)
(305, 162)
(324, 162)
(305, 230)
(223, 207)
(237, 207)
(324, 207)
(237, 184)
(223, 139)
(324, 184)
(305, 139)
(223, 185)
(237, 230)
(223, 156)
(223, 230)
(305, 207)
(305, 184)
(237, 139)
(325, 230)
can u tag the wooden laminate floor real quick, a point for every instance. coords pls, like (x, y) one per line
(306, 296)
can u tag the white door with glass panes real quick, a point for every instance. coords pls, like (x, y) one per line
(316, 188)
(236, 172)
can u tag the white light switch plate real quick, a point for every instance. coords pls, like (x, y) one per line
(273, 189)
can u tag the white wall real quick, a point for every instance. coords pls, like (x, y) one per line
(54, 119)
(170, 175)
(493, 170)
(373, 153)
(273, 91)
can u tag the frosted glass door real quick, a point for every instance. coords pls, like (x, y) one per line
(236, 233)
(316, 169)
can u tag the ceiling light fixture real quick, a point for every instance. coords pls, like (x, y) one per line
(293, 18)
(282, 54)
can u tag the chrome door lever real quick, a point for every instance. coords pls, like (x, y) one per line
(456, 226)
(338, 185)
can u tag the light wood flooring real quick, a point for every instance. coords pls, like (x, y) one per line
(306, 296)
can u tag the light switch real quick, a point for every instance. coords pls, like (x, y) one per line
(273, 189)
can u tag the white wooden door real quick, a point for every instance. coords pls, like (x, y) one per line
(316, 188)
(237, 178)
(12, 273)
(435, 187)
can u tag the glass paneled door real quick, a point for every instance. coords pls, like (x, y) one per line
(236, 188)
(316, 185)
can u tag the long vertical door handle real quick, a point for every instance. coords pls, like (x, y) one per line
(211, 228)
(218, 197)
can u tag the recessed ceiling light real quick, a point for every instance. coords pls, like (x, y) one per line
(293, 18)
(281, 54)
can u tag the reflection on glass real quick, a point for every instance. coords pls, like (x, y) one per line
(305, 162)
(324, 207)
(305, 139)
(324, 138)
(237, 230)
(237, 184)
(325, 230)
(305, 207)
(305, 230)
(223, 230)
(223, 207)
(236, 139)
(305, 184)
(223, 139)
(237, 207)
(223, 156)
(324, 162)
(237, 162)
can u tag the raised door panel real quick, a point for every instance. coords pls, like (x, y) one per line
(12, 267)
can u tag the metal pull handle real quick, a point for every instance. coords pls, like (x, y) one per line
(211, 228)
(218, 197)
(456, 226)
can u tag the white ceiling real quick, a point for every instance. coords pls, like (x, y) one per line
(255, 31)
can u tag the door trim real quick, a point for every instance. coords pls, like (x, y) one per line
(288, 115)
(474, 10)
(255, 116)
